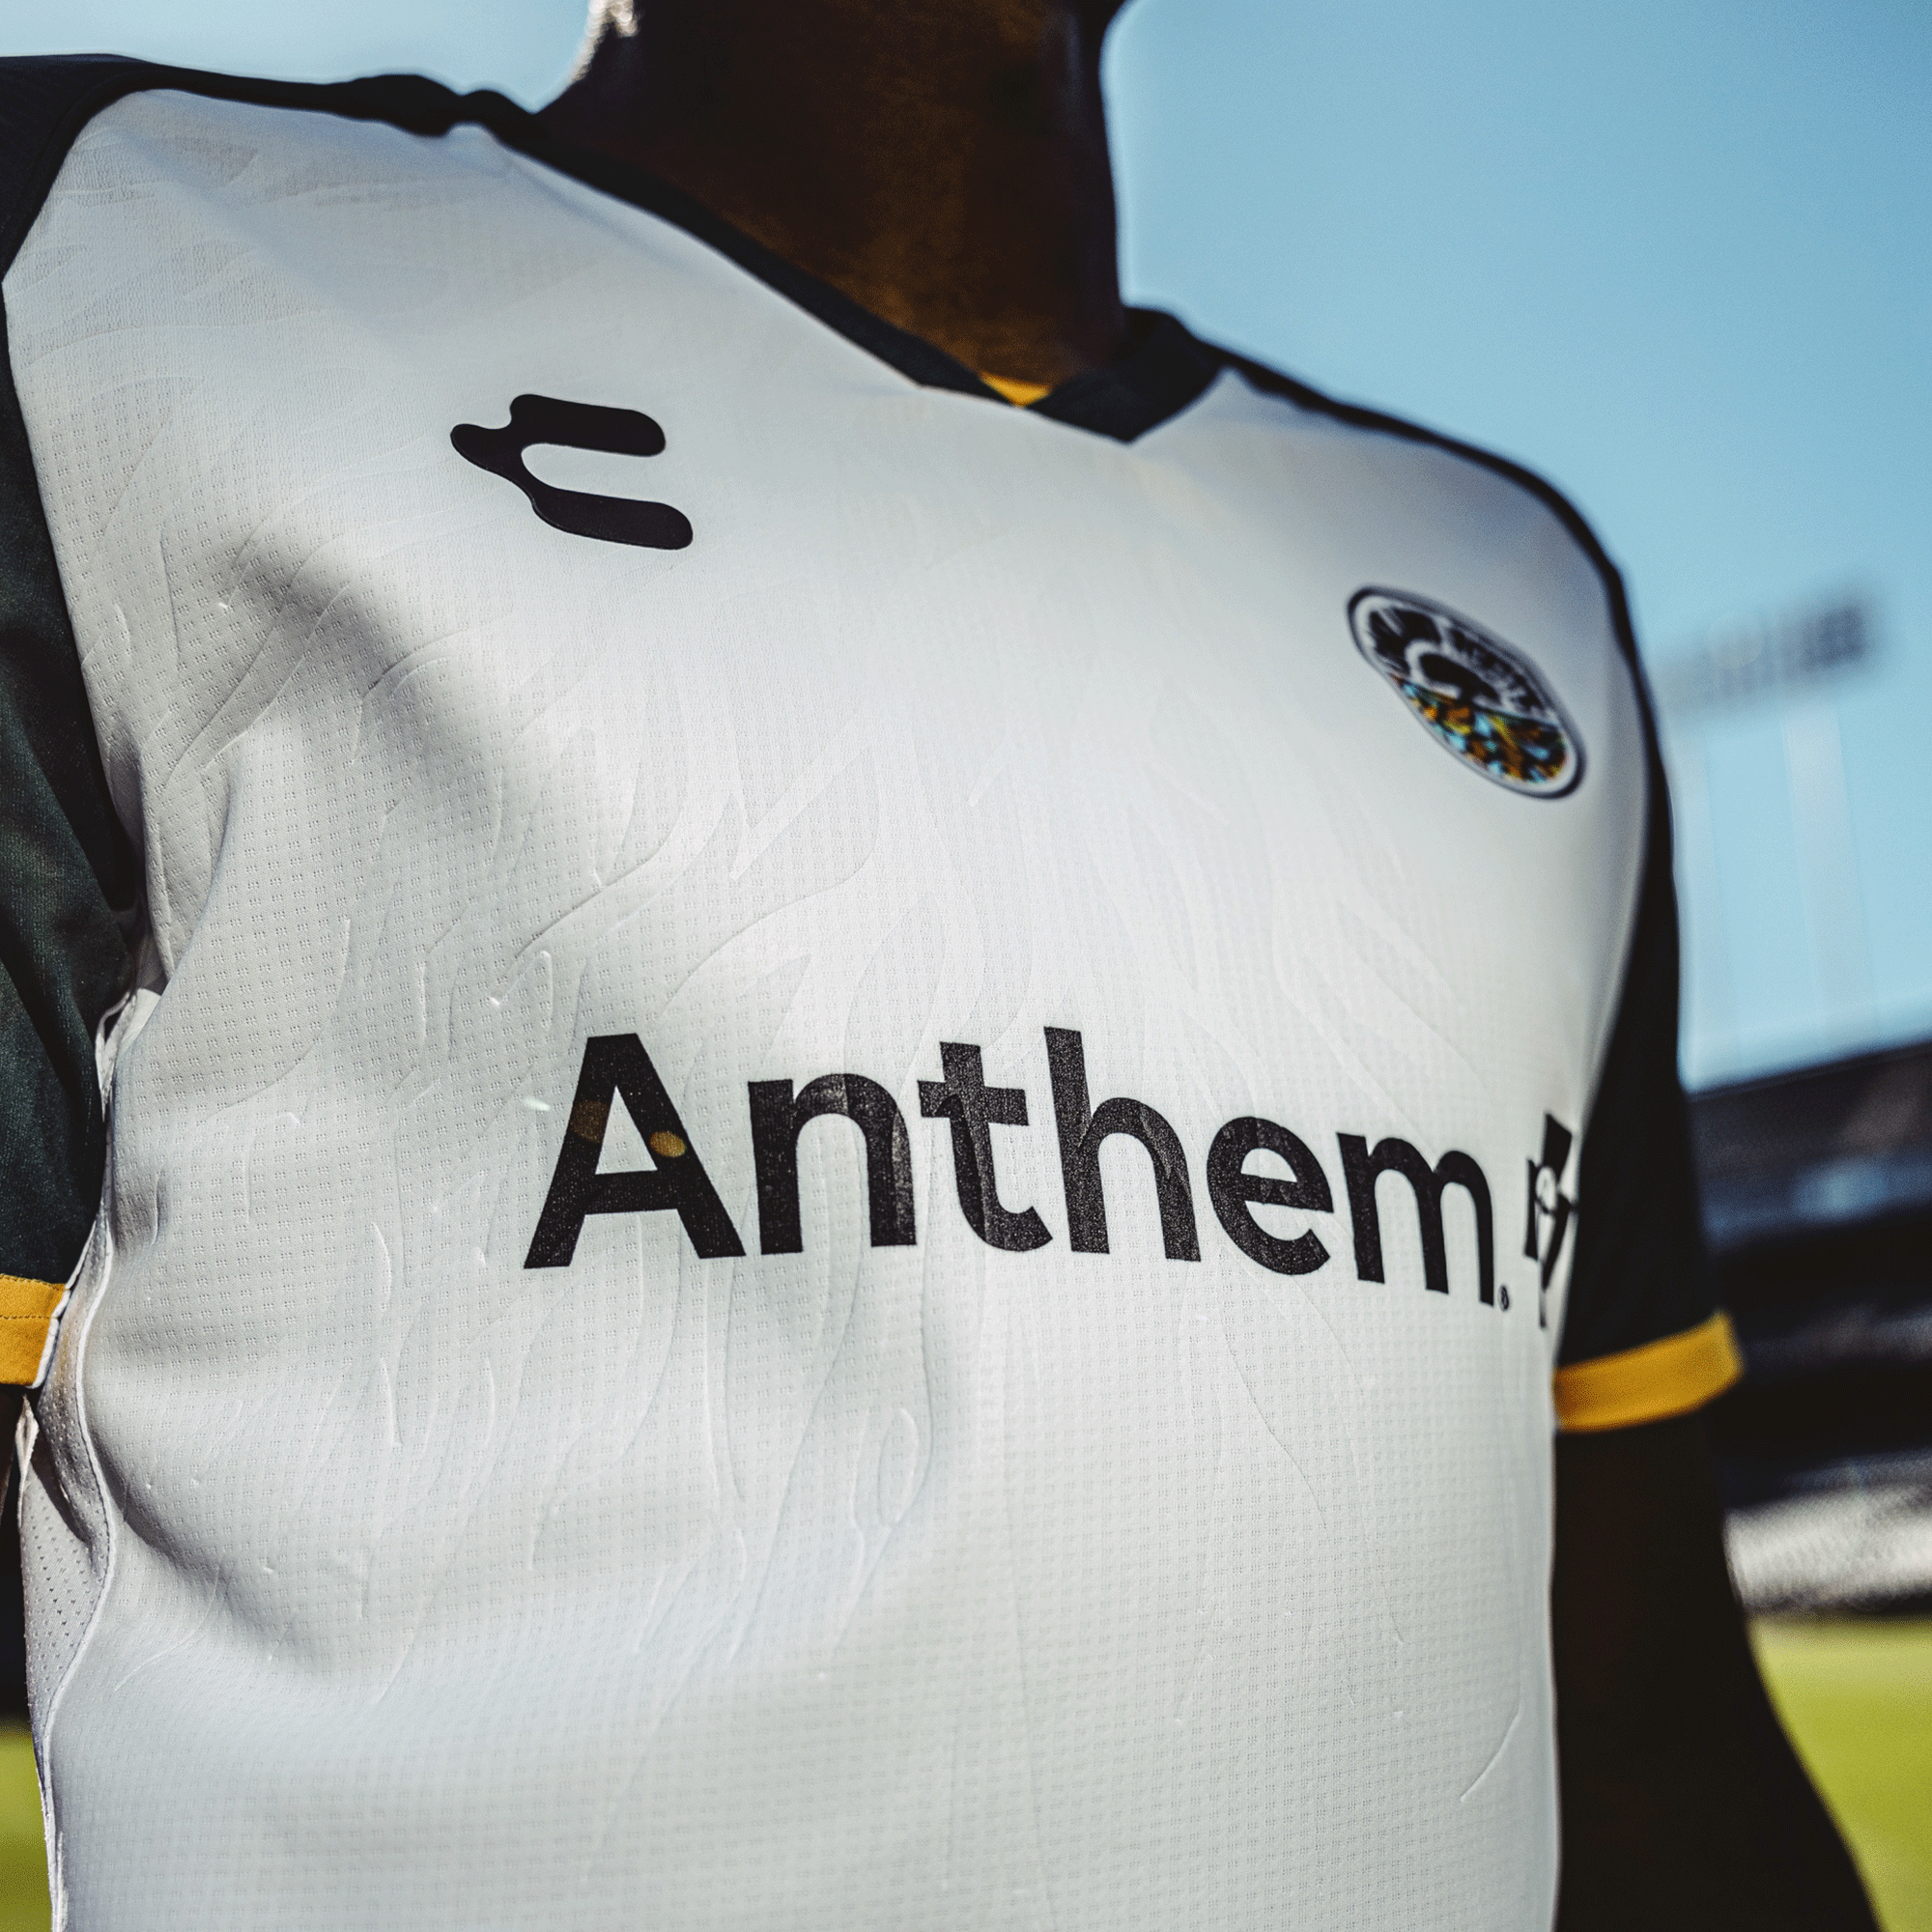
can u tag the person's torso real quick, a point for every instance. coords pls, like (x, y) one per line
(427, 1534)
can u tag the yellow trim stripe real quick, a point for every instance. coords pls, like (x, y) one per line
(1020, 394)
(26, 1309)
(1651, 1383)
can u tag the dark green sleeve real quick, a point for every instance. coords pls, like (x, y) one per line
(70, 890)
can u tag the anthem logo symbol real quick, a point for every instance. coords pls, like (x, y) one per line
(1547, 1222)
(1481, 699)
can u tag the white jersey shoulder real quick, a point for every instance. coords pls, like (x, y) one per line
(820, 1224)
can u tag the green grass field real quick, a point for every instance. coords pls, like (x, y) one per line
(23, 1868)
(1856, 1697)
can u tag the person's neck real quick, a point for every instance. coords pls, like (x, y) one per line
(944, 162)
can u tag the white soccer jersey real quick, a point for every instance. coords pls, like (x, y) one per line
(842, 1188)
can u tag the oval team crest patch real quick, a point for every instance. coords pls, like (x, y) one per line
(1480, 697)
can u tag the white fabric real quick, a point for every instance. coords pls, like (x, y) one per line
(922, 1586)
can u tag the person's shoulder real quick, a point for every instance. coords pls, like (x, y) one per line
(1436, 478)
(48, 102)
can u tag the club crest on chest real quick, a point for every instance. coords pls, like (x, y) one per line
(1480, 698)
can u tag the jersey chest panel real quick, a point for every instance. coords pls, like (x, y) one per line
(927, 1581)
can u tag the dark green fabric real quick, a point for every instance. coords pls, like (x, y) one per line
(68, 887)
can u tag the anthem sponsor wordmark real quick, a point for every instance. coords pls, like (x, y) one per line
(617, 1066)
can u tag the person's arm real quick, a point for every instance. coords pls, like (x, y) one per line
(1683, 1803)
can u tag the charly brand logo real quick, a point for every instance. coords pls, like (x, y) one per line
(618, 1071)
(1480, 697)
(539, 419)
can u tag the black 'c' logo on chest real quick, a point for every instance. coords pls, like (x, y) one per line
(534, 419)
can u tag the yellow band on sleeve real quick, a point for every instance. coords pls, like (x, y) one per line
(26, 1311)
(1651, 1383)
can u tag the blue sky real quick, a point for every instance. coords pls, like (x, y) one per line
(1674, 254)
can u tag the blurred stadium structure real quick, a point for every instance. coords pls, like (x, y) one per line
(1819, 1206)
(1787, 669)
(1818, 1203)
(1818, 1181)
